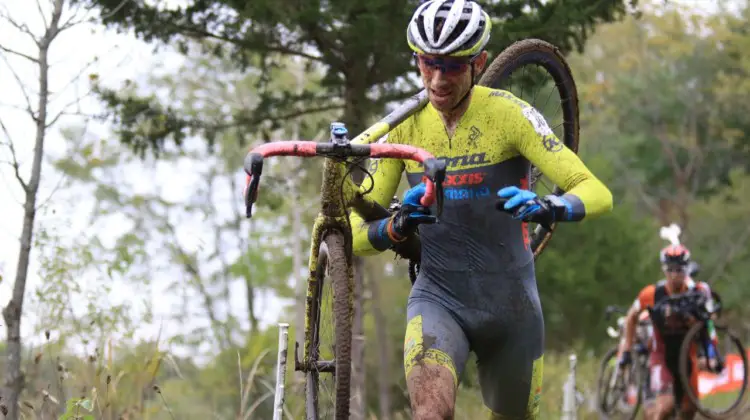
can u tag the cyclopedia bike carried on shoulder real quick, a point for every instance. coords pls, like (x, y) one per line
(536, 66)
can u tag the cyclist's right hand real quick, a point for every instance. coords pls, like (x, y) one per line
(412, 213)
(625, 358)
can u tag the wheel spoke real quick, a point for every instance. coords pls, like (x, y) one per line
(555, 72)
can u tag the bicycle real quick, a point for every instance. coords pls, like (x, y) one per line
(613, 398)
(331, 245)
(703, 311)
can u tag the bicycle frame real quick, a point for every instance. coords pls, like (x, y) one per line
(334, 200)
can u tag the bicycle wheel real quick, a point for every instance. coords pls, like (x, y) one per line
(622, 403)
(537, 65)
(730, 396)
(329, 371)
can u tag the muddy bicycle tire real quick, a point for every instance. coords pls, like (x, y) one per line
(690, 337)
(333, 260)
(543, 54)
(603, 382)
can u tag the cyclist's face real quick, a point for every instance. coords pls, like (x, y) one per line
(675, 273)
(447, 79)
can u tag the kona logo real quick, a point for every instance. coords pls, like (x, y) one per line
(475, 159)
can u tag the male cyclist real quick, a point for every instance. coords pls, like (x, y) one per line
(666, 390)
(476, 289)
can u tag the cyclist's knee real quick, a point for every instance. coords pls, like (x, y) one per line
(687, 410)
(432, 392)
(664, 406)
(491, 415)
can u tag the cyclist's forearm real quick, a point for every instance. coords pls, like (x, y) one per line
(629, 333)
(589, 198)
(371, 238)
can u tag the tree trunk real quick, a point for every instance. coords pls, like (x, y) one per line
(14, 378)
(384, 362)
(357, 410)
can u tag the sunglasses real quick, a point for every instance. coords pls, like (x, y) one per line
(674, 269)
(446, 65)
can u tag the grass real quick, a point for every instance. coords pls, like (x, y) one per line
(146, 383)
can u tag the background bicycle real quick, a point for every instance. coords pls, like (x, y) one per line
(620, 392)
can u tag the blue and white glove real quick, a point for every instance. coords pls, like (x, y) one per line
(412, 213)
(527, 206)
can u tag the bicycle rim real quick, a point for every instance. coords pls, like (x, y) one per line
(737, 348)
(327, 393)
(603, 389)
(539, 68)
(606, 406)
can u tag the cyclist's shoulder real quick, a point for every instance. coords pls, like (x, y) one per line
(660, 286)
(493, 99)
(650, 288)
(509, 113)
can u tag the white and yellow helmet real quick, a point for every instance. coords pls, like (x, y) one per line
(449, 27)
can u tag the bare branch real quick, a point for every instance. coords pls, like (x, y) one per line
(197, 32)
(60, 181)
(14, 156)
(44, 202)
(21, 27)
(22, 87)
(53, 29)
(185, 259)
(13, 106)
(19, 54)
(62, 112)
(71, 23)
(75, 79)
(41, 13)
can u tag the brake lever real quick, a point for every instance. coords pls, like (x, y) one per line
(435, 170)
(253, 166)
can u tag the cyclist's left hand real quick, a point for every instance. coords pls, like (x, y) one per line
(412, 212)
(526, 205)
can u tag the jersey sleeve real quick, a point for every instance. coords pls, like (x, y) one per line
(372, 238)
(585, 195)
(645, 298)
(704, 288)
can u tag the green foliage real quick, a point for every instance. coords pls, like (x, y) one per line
(658, 105)
(75, 409)
(589, 266)
(359, 45)
(647, 86)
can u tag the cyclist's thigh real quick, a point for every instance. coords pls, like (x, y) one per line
(433, 338)
(510, 371)
(661, 382)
